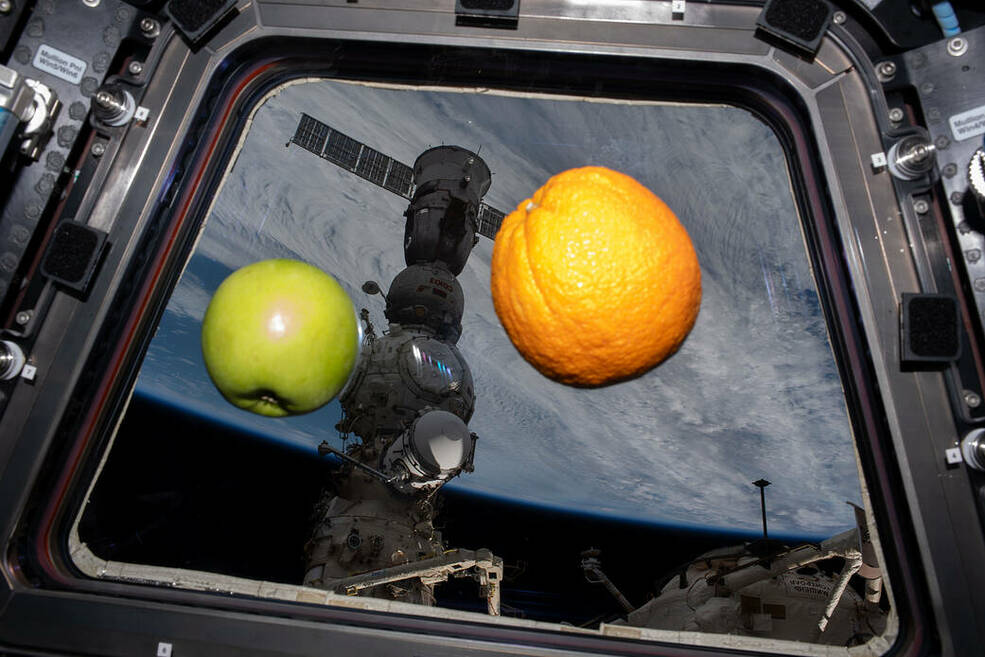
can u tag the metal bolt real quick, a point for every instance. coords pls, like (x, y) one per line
(886, 70)
(23, 317)
(957, 46)
(942, 142)
(956, 198)
(6, 6)
(150, 27)
(135, 68)
(839, 18)
(972, 398)
(98, 149)
(921, 206)
(896, 115)
(105, 99)
(949, 170)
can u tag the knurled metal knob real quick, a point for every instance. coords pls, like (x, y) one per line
(911, 157)
(113, 105)
(11, 359)
(973, 449)
(976, 181)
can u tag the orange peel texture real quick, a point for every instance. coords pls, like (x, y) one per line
(594, 278)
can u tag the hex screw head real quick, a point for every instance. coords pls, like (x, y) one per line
(98, 149)
(921, 206)
(150, 27)
(896, 115)
(949, 170)
(971, 398)
(886, 70)
(838, 18)
(23, 317)
(6, 6)
(957, 46)
(135, 68)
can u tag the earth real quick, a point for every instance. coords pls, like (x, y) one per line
(753, 393)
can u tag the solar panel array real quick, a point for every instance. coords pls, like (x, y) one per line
(380, 169)
(489, 221)
(352, 155)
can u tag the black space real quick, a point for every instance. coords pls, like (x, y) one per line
(178, 490)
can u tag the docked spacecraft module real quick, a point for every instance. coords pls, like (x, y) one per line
(411, 395)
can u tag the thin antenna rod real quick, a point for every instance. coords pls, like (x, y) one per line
(324, 448)
(762, 484)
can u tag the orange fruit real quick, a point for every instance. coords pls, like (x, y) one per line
(594, 278)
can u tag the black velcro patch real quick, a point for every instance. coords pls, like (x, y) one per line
(929, 330)
(796, 25)
(73, 254)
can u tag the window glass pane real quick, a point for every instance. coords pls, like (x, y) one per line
(753, 393)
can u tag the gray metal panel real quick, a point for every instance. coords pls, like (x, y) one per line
(35, 184)
(948, 85)
(400, 24)
(919, 411)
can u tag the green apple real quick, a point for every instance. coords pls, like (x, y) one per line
(280, 337)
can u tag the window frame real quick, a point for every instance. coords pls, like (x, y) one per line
(169, 189)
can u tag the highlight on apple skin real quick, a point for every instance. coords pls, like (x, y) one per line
(280, 337)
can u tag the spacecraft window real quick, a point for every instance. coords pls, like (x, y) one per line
(667, 458)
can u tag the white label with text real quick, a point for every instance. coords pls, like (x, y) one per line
(60, 64)
(968, 124)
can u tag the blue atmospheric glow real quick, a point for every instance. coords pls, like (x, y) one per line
(460, 486)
